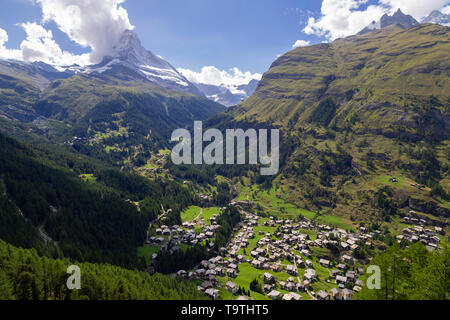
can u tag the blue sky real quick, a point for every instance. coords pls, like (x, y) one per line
(191, 34)
(247, 34)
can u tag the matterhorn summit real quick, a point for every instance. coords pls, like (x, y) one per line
(130, 60)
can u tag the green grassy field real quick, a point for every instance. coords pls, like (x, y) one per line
(190, 213)
(146, 252)
(272, 202)
(88, 177)
(335, 221)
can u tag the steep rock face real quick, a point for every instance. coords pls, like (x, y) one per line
(398, 19)
(131, 61)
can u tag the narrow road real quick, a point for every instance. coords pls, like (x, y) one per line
(299, 281)
(44, 236)
(162, 215)
(197, 217)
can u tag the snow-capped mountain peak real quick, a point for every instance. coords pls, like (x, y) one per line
(131, 60)
(437, 17)
(130, 49)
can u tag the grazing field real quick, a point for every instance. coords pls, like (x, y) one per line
(335, 221)
(190, 213)
(273, 203)
(401, 181)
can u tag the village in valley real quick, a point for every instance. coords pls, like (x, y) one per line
(277, 258)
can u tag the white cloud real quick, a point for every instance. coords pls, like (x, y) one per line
(39, 45)
(417, 8)
(446, 10)
(6, 53)
(341, 18)
(212, 75)
(94, 24)
(301, 43)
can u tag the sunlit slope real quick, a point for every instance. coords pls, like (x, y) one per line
(386, 80)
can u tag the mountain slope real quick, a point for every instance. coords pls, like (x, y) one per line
(359, 110)
(43, 195)
(24, 275)
(389, 73)
(118, 111)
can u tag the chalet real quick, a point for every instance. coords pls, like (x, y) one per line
(212, 293)
(292, 296)
(276, 267)
(341, 266)
(347, 259)
(231, 273)
(300, 286)
(357, 288)
(334, 273)
(336, 294)
(256, 264)
(210, 272)
(292, 270)
(341, 279)
(219, 271)
(306, 253)
(233, 266)
(200, 272)
(347, 294)
(206, 285)
(324, 263)
(290, 286)
(351, 275)
(306, 284)
(274, 295)
(232, 287)
(268, 287)
(310, 274)
(323, 295)
(181, 274)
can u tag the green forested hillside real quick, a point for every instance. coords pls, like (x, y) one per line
(411, 274)
(85, 221)
(24, 275)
